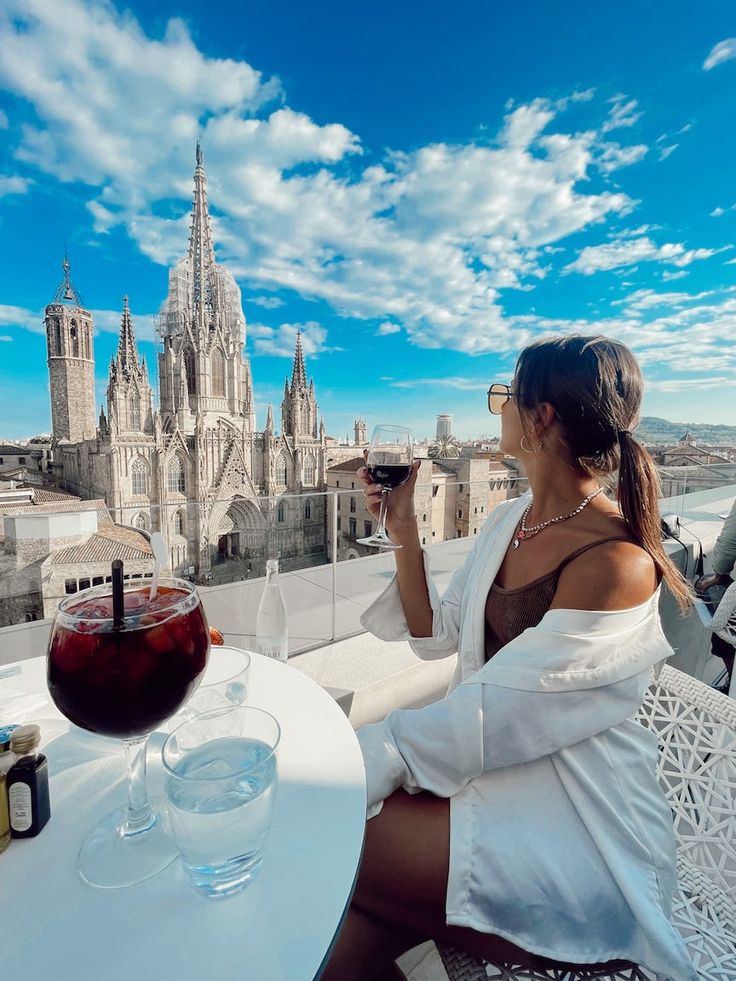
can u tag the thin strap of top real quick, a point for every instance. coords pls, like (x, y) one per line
(568, 558)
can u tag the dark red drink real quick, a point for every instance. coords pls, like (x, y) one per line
(389, 474)
(126, 682)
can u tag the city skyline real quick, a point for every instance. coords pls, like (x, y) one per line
(418, 222)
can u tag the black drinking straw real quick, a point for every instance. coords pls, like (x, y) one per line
(118, 598)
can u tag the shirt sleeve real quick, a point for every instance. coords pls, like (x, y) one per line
(480, 726)
(385, 617)
(724, 550)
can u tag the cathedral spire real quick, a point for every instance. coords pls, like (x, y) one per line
(200, 244)
(269, 420)
(127, 354)
(299, 373)
(66, 291)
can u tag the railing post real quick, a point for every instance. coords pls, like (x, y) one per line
(333, 522)
(684, 491)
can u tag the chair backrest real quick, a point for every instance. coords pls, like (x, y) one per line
(696, 729)
(724, 619)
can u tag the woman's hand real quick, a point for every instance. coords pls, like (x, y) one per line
(400, 518)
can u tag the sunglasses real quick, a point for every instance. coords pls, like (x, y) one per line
(498, 396)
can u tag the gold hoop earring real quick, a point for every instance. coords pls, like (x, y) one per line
(528, 449)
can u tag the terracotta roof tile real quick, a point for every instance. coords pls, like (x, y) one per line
(111, 543)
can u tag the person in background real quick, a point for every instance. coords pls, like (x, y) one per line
(724, 556)
(713, 586)
(520, 816)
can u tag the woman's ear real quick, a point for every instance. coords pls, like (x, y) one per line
(545, 416)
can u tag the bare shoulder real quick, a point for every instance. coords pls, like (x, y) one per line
(612, 576)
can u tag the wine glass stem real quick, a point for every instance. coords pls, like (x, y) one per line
(385, 491)
(140, 816)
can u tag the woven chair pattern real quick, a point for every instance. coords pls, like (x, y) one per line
(696, 731)
(724, 619)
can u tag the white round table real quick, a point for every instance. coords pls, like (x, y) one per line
(56, 928)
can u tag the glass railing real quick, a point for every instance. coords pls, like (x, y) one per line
(52, 550)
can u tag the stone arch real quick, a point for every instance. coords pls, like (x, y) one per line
(142, 521)
(219, 388)
(176, 475)
(237, 530)
(74, 335)
(139, 475)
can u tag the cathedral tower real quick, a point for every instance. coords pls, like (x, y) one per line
(360, 432)
(129, 395)
(299, 408)
(202, 371)
(71, 363)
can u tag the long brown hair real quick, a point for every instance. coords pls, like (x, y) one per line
(595, 386)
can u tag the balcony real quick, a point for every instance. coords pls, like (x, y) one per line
(370, 678)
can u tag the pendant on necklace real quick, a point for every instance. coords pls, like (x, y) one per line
(515, 543)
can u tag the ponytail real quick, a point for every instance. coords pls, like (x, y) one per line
(639, 490)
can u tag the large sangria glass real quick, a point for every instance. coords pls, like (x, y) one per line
(121, 669)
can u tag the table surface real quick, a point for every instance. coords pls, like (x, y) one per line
(55, 927)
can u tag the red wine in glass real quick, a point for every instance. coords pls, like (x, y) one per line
(389, 474)
(124, 679)
(389, 463)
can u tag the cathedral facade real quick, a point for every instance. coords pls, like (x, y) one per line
(225, 497)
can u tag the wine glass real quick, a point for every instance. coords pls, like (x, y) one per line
(389, 463)
(124, 678)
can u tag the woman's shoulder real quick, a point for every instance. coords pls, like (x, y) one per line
(613, 573)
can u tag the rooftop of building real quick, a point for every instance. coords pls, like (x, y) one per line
(107, 544)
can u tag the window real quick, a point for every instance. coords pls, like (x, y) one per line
(84, 583)
(21, 459)
(309, 471)
(353, 528)
(460, 513)
(57, 333)
(189, 371)
(424, 517)
(70, 586)
(139, 477)
(475, 531)
(338, 502)
(352, 485)
(367, 529)
(307, 510)
(435, 488)
(177, 523)
(281, 471)
(281, 513)
(337, 483)
(460, 489)
(176, 483)
(1, 460)
(475, 511)
(339, 523)
(218, 373)
(481, 509)
(352, 504)
(424, 541)
(135, 413)
(141, 521)
(98, 580)
(434, 534)
(74, 334)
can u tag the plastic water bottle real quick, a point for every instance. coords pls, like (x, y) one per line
(272, 631)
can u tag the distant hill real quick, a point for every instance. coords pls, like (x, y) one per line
(654, 430)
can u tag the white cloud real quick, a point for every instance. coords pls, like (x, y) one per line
(4, 122)
(623, 114)
(13, 185)
(627, 252)
(269, 302)
(387, 328)
(717, 212)
(107, 321)
(669, 275)
(707, 383)
(461, 384)
(5, 337)
(723, 51)
(281, 341)
(20, 317)
(667, 151)
(427, 239)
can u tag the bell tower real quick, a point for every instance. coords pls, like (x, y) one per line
(69, 332)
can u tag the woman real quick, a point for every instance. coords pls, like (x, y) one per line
(520, 816)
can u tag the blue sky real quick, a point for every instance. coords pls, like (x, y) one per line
(421, 189)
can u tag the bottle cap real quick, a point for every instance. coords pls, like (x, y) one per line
(272, 565)
(25, 738)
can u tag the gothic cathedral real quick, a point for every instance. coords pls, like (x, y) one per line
(222, 494)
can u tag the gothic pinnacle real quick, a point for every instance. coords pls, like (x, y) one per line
(299, 373)
(127, 353)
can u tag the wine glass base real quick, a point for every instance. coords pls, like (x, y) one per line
(377, 541)
(111, 860)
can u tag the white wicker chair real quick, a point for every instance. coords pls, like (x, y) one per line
(696, 728)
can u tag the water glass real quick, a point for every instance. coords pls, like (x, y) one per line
(220, 780)
(225, 683)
